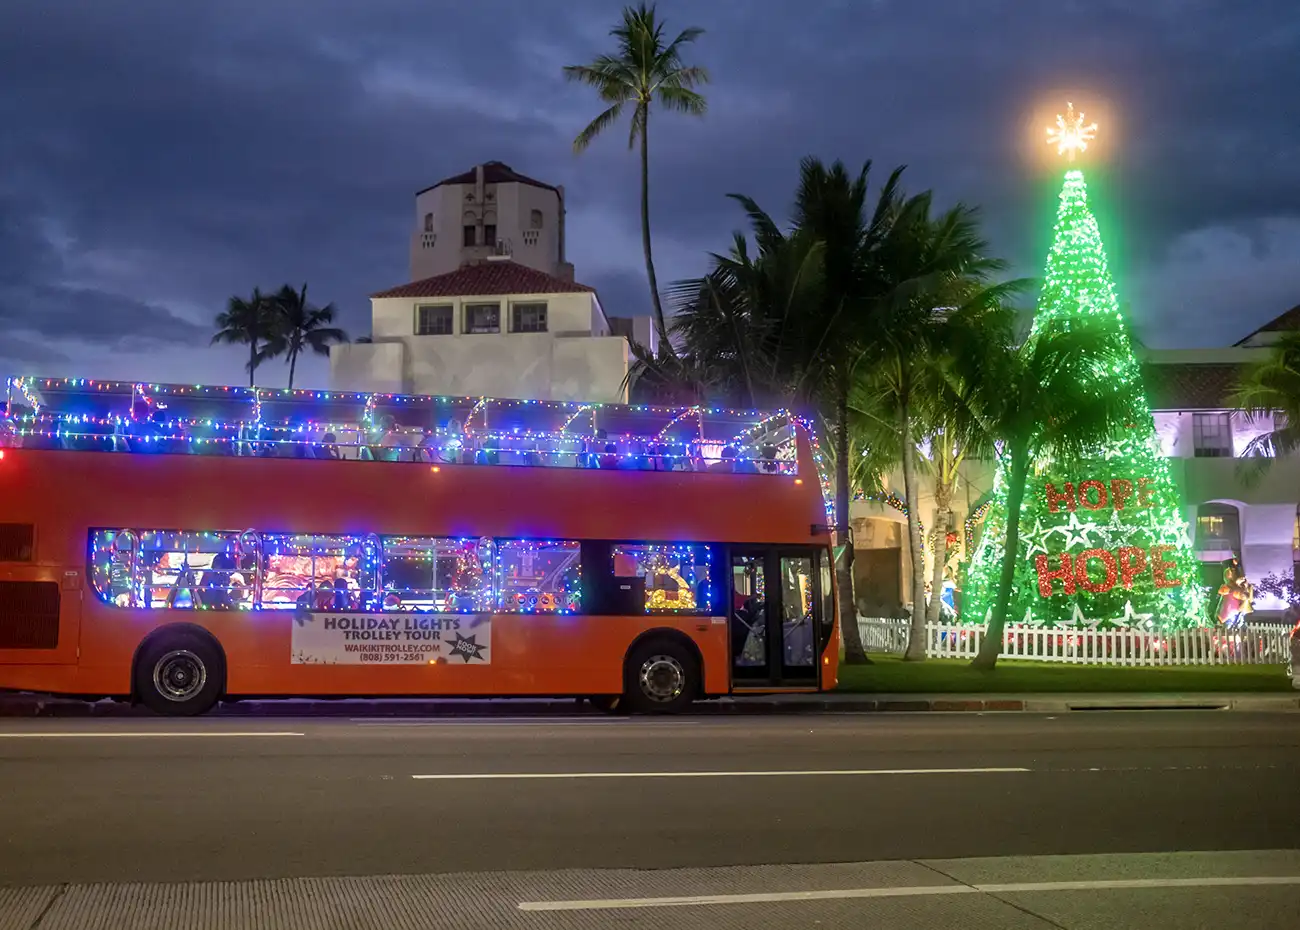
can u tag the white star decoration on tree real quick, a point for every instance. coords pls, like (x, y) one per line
(1131, 617)
(1037, 539)
(1075, 533)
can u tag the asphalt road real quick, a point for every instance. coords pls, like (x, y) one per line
(146, 800)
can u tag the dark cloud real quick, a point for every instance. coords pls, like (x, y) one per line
(161, 156)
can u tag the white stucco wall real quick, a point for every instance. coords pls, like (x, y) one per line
(510, 209)
(1176, 435)
(566, 314)
(570, 361)
(537, 366)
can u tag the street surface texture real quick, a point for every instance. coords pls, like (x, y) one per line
(1116, 820)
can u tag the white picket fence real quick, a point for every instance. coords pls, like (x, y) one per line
(1256, 644)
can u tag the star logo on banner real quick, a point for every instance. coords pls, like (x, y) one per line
(466, 647)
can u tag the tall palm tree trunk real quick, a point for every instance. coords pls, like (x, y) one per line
(942, 525)
(660, 323)
(991, 647)
(916, 636)
(854, 654)
(252, 362)
(293, 363)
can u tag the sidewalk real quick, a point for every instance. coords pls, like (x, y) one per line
(32, 705)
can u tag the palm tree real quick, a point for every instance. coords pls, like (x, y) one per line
(1272, 387)
(1048, 397)
(249, 322)
(792, 324)
(644, 71)
(938, 270)
(300, 327)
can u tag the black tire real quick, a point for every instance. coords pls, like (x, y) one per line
(660, 676)
(606, 703)
(180, 674)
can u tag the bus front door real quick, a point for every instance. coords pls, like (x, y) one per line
(774, 633)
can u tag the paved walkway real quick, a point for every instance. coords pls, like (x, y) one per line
(1219, 890)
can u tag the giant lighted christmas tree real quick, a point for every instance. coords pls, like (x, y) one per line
(1103, 542)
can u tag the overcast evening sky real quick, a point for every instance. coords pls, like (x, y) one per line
(158, 156)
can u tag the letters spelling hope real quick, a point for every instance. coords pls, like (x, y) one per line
(1121, 566)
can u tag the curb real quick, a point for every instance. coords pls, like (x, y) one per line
(35, 706)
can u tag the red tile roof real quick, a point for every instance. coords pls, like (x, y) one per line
(1287, 321)
(1190, 386)
(494, 172)
(487, 279)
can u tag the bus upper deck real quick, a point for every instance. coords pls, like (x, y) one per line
(114, 416)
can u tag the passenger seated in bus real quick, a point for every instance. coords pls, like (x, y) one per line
(327, 448)
(219, 583)
(727, 462)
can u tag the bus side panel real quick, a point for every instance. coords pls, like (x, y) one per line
(531, 654)
(40, 615)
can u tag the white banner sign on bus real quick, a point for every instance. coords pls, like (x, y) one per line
(391, 639)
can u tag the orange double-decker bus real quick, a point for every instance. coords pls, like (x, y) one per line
(181, 545)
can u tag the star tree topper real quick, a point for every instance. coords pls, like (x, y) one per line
(1070, 134)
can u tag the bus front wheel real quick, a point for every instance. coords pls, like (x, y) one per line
(179, 674)
(661, 677)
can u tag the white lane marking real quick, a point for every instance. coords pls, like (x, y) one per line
(773, 774)
(903, 892)
(496, 722)
(145, 734)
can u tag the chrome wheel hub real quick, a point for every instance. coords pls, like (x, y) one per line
(179, 675)
(662, 678)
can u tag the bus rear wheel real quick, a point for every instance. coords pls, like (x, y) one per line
(661, 677)
(179, 674)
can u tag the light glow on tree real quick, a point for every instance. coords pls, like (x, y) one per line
(1103, 541)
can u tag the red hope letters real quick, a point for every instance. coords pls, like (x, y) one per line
(1095, 495)
(1122, 566)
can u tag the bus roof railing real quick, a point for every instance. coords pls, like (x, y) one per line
(121, 416)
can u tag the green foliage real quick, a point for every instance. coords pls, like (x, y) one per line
(1271, 388)
(250, 322)
(646, 70)
(299, 327)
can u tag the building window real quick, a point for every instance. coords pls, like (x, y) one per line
(675, 578)
(482, 318)
(1218, 528)
(528, 318)
(541, 576)
(1211, 435)
(535, 219)
(428, 222)
(433, 321)
(470, 234)
(431, 574)
(490, 235)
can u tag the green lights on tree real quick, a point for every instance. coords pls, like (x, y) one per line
(1102, 541)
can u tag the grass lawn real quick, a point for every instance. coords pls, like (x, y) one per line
(890, 674)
